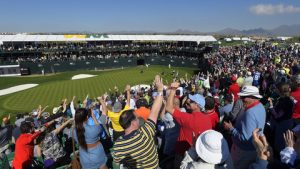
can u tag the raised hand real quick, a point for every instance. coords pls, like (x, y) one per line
(127, 88)
(105, 95)
(289, 138)
(227, 125)
(158, 83)
(65, 105)
(84, 102)
(270, 101)
(40, 108)
(174, 85)
(261, 145)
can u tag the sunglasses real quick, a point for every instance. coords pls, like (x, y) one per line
(190, 102)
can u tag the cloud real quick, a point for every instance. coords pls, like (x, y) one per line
(269, 9)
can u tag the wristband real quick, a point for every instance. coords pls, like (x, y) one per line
(160, 94)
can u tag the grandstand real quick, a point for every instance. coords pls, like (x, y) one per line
(56, 53)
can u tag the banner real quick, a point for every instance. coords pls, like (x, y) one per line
(88, 36)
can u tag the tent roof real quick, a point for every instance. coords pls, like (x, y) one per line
(102, 37)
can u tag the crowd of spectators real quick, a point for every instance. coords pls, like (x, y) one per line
(39, 53)
(10, 47)
(243, 113)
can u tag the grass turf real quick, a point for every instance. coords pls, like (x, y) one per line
(53, 88)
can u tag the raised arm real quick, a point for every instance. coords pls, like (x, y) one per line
(127, 89)
(84, 103)
(40, 110)
(94, 118)
(64, 105)
(163, 112)
(49, 123)
(31, 137)
(58, 130)
(170, 101)
(158, 101)
(72, 107)
(103, 104)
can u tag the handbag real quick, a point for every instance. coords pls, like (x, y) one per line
(75, 160)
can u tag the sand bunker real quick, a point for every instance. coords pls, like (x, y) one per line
(82, 76)
(16, 89)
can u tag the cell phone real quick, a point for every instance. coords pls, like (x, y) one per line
(177, 92)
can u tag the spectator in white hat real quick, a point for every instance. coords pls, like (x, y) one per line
(210, 152)
(243, 152)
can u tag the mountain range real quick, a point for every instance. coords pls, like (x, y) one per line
(283, 30)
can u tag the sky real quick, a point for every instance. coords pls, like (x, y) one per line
(145, 15)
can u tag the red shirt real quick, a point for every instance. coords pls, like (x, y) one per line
(24, 150)
(296, 96)
(196, 122)
(234, 89)
(214, 118)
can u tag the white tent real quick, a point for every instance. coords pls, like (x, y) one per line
(99, 37)
(236, 38)
(245, 39)
(228, 39)
(283, 38)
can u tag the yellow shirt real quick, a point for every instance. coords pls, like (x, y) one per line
(277, 59)
(240, 81)
(114, 117)
(287, 70)
(147, 98)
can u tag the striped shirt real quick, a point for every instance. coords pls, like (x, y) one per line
(137, 149)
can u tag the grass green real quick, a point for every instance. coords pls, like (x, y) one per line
(53, 88)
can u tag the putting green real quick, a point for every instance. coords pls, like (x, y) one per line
(53, 88)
